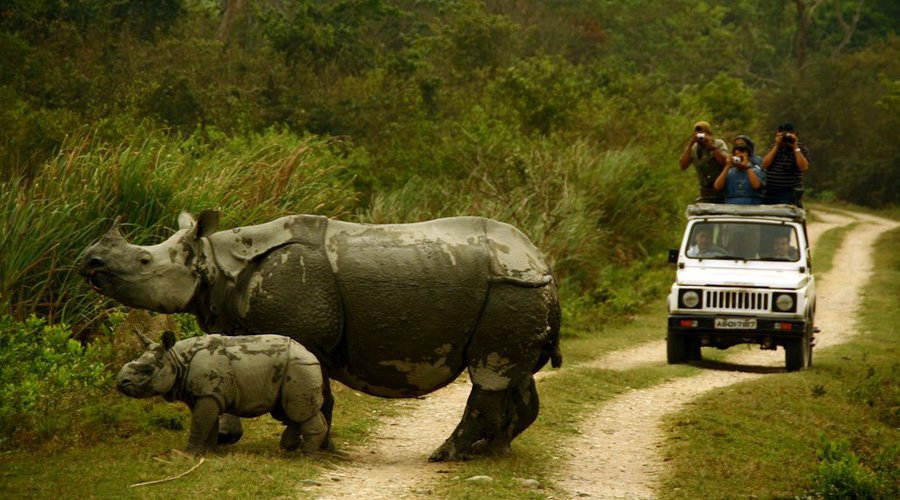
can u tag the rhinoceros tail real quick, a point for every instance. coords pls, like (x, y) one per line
(555, 320)
(550, 351)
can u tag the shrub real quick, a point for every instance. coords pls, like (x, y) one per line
(841, 475)
(45, 377)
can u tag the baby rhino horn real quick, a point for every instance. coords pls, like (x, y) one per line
(145, 339)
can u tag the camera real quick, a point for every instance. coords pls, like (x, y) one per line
(700, 136)
(735, 160)
(788, 138)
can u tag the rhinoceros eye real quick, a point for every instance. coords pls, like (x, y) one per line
(145, 258)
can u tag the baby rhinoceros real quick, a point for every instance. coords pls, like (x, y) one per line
(244, 376)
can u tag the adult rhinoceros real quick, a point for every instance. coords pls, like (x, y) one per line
(395, 310)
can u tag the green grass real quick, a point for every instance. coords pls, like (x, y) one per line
(767, 438)
(104, 466)
(254, 469)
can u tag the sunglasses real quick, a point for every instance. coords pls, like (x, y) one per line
(740, 149)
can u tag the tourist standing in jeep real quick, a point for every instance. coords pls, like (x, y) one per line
(785, 164)
(708, 155)
(742, 180)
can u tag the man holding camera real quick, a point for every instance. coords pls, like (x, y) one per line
(785, 165)
(708, 155)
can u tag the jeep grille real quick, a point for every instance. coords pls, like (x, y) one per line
(737, 299)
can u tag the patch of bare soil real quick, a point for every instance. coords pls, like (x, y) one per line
(394, 464)
(617, 454)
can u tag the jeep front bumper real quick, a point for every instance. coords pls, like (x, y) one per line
(766, 328)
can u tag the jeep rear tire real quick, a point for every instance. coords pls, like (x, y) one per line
(693, 349)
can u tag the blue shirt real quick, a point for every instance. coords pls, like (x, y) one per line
(738, 190)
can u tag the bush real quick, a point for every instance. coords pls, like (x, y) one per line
(841, 475)
(46, 377)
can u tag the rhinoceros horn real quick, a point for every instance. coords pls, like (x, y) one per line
(145, 339)
(115, 232)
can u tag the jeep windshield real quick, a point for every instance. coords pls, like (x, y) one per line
(743, 241)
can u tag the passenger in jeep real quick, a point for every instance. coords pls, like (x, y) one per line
(742, 180)
(782, 249)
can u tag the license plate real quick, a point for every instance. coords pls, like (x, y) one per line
(736, 323)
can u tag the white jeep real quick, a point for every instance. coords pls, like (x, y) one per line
(744, 276)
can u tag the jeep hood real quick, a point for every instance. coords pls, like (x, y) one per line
(781, 279)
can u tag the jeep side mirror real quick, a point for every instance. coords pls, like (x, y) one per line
(673, 255)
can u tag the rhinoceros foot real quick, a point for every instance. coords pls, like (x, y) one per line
(230, 430)
(491, 447)
(448, 452)
(197, 450)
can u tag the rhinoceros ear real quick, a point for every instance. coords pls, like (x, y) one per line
(168, 339)
(186, 220)
(208, 223)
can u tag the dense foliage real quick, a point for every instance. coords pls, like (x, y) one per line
(565, 118)
(407, 80)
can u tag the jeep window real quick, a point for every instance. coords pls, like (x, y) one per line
(743, 241)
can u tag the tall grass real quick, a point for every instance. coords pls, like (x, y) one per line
(49, 220)
(593, 212)
(604, 218)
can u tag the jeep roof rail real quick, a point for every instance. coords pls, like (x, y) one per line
(787, 211)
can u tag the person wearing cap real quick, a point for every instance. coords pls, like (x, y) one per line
(742, 180)
(708, 155)
(785, 164)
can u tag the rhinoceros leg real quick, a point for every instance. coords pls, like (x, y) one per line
(515, 326)
(204, 426)
(491, 421)
(230, 429)
(526, 403)
(520, 411)
(309, 434)
(327, 443)
(482, 415)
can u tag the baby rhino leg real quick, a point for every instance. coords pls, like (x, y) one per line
(309, 434)
(302, 398)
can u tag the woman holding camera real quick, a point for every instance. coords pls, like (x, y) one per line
(743, 178)
(785, 164)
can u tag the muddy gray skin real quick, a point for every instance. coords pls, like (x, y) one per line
(394, 310)
(243, 376)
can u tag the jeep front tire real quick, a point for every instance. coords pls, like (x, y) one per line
(676, 349)
(797, 353)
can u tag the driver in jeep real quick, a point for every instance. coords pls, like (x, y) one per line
(703, 244)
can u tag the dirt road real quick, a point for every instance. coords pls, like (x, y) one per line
(617, 453)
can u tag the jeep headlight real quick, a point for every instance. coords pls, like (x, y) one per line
(785, 302)
(689, 299)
